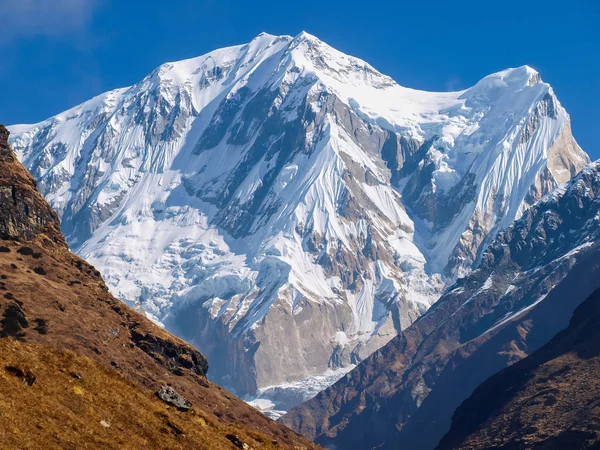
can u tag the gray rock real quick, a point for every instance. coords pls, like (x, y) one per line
(169, 395)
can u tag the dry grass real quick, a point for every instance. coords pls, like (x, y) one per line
(75, 326)
(71, 398)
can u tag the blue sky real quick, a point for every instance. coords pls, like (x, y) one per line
(58, 53)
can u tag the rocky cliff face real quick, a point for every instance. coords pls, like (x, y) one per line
(531, 279)
(548, 400)
(23, 212)
(83, 367)
(286, 207)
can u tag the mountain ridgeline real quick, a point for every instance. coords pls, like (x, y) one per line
(287, 208)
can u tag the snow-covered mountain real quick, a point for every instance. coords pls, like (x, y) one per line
(530, 281)
(287, 208)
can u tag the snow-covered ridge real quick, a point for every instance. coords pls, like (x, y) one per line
(286, 207)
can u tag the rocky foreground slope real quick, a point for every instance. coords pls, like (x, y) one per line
(531, 279)
(79, 369)
(287, 208)
(550, 400)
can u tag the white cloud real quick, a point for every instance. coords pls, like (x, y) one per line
(28, 18)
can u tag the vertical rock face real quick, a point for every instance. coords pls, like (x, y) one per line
(286, 207)
(531, 279)
(23, 211)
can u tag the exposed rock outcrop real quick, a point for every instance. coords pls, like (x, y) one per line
(23, 212)
(169, 395)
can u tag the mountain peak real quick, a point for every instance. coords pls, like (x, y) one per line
(305, 36)
(264, 34)
(525, 73)
(514, 78)
(284, 180)
(268, 37)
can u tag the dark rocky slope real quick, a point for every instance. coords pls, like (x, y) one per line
(529, 282)
(72, 356)
(549, 400)
(23, 212)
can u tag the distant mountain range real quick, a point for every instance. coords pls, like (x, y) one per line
(289, 210)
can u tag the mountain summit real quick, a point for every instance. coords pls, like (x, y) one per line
(286, 207)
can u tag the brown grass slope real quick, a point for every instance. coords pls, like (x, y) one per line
(71, 355)
(549, 400)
